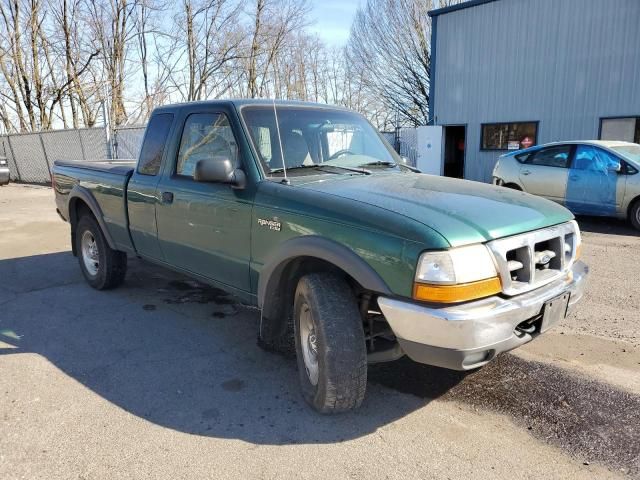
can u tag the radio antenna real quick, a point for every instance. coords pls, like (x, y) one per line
(284, 166)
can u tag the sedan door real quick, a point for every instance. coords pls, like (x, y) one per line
(596, 185)
(545, 172)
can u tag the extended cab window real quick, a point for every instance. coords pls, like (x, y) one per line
(154, 141)
(551, 157)
(205, 135)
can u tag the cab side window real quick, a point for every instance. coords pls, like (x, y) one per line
(205, 135)
(595, 160)
(551, 157)
(155, 140)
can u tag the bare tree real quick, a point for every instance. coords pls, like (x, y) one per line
(113, 29)
(275, 24)
(390, 41)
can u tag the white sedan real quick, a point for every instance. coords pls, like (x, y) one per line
(588, 177)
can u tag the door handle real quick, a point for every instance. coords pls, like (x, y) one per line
(526, 172)
(574, 177)
(167, 197)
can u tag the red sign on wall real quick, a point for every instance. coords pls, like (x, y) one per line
(526, 142)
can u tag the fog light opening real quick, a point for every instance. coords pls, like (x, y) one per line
(477, 358)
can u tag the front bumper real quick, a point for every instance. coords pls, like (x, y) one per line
(4, 175)
(469, 335)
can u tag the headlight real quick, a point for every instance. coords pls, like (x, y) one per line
(456, 275)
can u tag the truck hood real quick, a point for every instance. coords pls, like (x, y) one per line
(462, 211)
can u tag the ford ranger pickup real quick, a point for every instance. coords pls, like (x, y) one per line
(352, 256)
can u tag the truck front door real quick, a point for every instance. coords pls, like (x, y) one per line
(203, 228)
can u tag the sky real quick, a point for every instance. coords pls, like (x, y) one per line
(332, 20)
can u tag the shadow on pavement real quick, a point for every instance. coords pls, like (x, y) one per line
(175, 353)
(184, 356)
(608, 225)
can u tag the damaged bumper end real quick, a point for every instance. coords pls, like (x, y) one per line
(469, 335)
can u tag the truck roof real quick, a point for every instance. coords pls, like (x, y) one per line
(241, 102)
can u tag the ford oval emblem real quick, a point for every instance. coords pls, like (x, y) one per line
(545, 259)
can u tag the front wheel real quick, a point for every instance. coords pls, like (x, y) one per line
(330, 344)
(102, 267)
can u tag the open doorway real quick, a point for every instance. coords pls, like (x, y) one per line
(455, 139)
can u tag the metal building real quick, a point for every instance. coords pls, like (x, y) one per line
(507, 74)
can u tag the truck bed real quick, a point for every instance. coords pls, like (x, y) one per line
(102, 180)
(118, 167)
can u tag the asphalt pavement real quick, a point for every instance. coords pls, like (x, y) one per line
(162, 378)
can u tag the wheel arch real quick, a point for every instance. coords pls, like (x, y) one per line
(297, 257)
(632, 205)
(513, 186)
(80, 201)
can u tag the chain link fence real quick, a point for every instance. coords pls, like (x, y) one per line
(31, 155)
(127, 141)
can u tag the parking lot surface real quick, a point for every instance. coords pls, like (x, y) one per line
(162, 378)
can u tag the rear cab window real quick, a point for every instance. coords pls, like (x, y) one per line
(155, 140)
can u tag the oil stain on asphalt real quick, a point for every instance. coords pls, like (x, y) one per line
(591, 420)
(195, 292)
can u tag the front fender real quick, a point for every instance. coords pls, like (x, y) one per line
(324, 249)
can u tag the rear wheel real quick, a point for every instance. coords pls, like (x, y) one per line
(634, 215)
(102, 267)
(330, 344)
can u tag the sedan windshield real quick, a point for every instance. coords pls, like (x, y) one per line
(630, 152)
(307, 140)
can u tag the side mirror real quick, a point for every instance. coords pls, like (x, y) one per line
(219, 170)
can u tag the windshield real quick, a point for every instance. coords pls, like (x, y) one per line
(630, 152)
(315, 137)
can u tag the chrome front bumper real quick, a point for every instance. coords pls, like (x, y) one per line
(469, 335)
(4, 175)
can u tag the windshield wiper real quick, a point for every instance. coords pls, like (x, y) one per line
(321, 166)
(379, 163)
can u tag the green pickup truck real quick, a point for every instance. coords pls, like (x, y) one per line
(352, 256)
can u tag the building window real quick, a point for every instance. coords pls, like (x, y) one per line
(509, 136)
(626, 129)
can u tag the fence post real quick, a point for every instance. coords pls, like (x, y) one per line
(13, 156)
(84, 155)
(46, 158)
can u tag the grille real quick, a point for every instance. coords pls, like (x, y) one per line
(533, 259)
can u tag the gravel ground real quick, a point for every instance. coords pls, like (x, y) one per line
(162, 379)
(611, 308)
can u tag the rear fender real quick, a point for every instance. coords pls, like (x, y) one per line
(82, 194)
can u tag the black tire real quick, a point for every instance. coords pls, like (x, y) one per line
(512, 186)
(111, 267)
(634, 215)
(283, 344)
(339, 340)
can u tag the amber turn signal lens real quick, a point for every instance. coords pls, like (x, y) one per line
(578, 251)
(457, 293)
